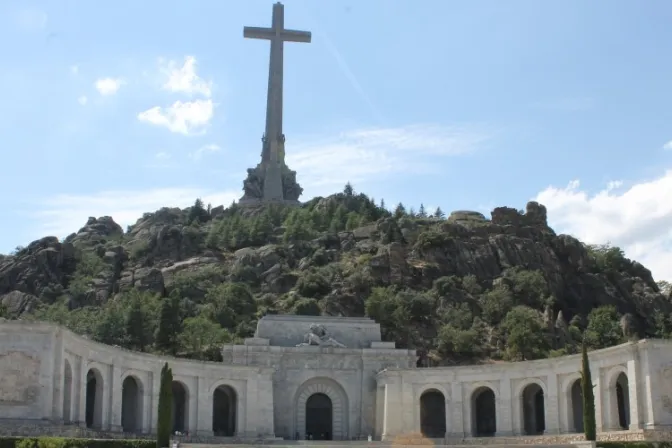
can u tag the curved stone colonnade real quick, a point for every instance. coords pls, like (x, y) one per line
(49, 373)
(632, 385)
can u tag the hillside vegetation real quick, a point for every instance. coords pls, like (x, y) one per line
(459, 289)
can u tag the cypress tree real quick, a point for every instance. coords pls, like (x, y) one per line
(589, 426)
(163, 423)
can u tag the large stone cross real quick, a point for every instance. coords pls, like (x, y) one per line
(278, 35)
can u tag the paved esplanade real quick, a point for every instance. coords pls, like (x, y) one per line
(272, 155)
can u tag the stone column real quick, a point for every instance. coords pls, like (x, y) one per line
(392, 416)
(449, 417)
(81, 380)
(551, 405)
(204, 421)
(247, 426)
(456, 410)
(147, 403)
(600, 408)
(116, 399)
(154, 401)
(380, 411)
(194, 405)
(633, 392)
(648, 416)
(265, 405)
(504, 401)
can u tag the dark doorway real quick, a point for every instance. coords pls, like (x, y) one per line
(224, 412)
(94, 399)
(433, 414)
(484, 412)
(576, 401)
(623, 401)
(319, 417)
(534, 418)
(179, 407)
(131, 405)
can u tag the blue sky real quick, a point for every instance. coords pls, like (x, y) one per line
(117, 108)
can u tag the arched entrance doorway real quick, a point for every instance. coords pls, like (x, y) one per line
(94, 399)
(576, 406)
(131, 405)
(622, 395)
(533, 413)
(67, 392)
(433, 414)
(483, 413)
(180, 409)
(224, 402)
(319, 417)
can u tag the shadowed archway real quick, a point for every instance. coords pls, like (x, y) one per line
(224, 402)
(433, 414)
(483, 412)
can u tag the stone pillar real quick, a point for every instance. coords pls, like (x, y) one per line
(247, 426)
(392, 416)
(81, 380)
(504, 401)
(551, 405)
(265, 405)
(449, 417)
(600, 408)
(194, 405)
(456, 410)
(648, 416)
(204, 421)
(117, 394)
(154, 402)
(147, 403)
(633, 392)
(380, 411)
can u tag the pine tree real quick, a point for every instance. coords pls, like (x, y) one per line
(422, 213)
(165, 411)
(589, 426)
(170, 324)
(438, 214)
(348, 190)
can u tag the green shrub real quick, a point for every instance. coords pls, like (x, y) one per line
(63, 442)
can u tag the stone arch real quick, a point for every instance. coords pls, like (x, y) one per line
(180, 415)
(483, 403)
(532, 409)
(225, 409)
(67, 391)
(571, 391)
(339, 406)
(95, 387)
(433, 413)
(619, 398)
(132, 404)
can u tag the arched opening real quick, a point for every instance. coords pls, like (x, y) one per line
(67, 392)
(622, 391)
(131, 405)
(576, 406)
(532, 401)
(483, 413)
(180, 409)
(319, 417)
(224, 402)
(94, 399)
(433, 414)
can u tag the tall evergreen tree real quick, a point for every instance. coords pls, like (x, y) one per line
(589, 426)
(163, 423)
(170, 325)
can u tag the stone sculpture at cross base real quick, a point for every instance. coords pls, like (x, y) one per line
(318, 335)
(272, 180)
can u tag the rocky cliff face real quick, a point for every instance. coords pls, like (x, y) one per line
(441, 279)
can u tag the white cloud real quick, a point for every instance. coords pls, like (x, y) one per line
(183, 79)
(82, 100)
(366, 155)
(668, 146)
(63, 214)
(637, 219)
(203, 150)
(74, 70)
(162, 155)
(182, 117)
(108, 86)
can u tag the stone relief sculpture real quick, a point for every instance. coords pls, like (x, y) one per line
(318, 335)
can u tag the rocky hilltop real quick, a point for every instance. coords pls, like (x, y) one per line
(461, 288)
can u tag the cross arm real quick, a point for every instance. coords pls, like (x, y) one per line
(254, 32)
(296, 36)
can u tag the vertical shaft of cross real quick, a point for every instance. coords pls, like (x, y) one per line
(273, 142)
